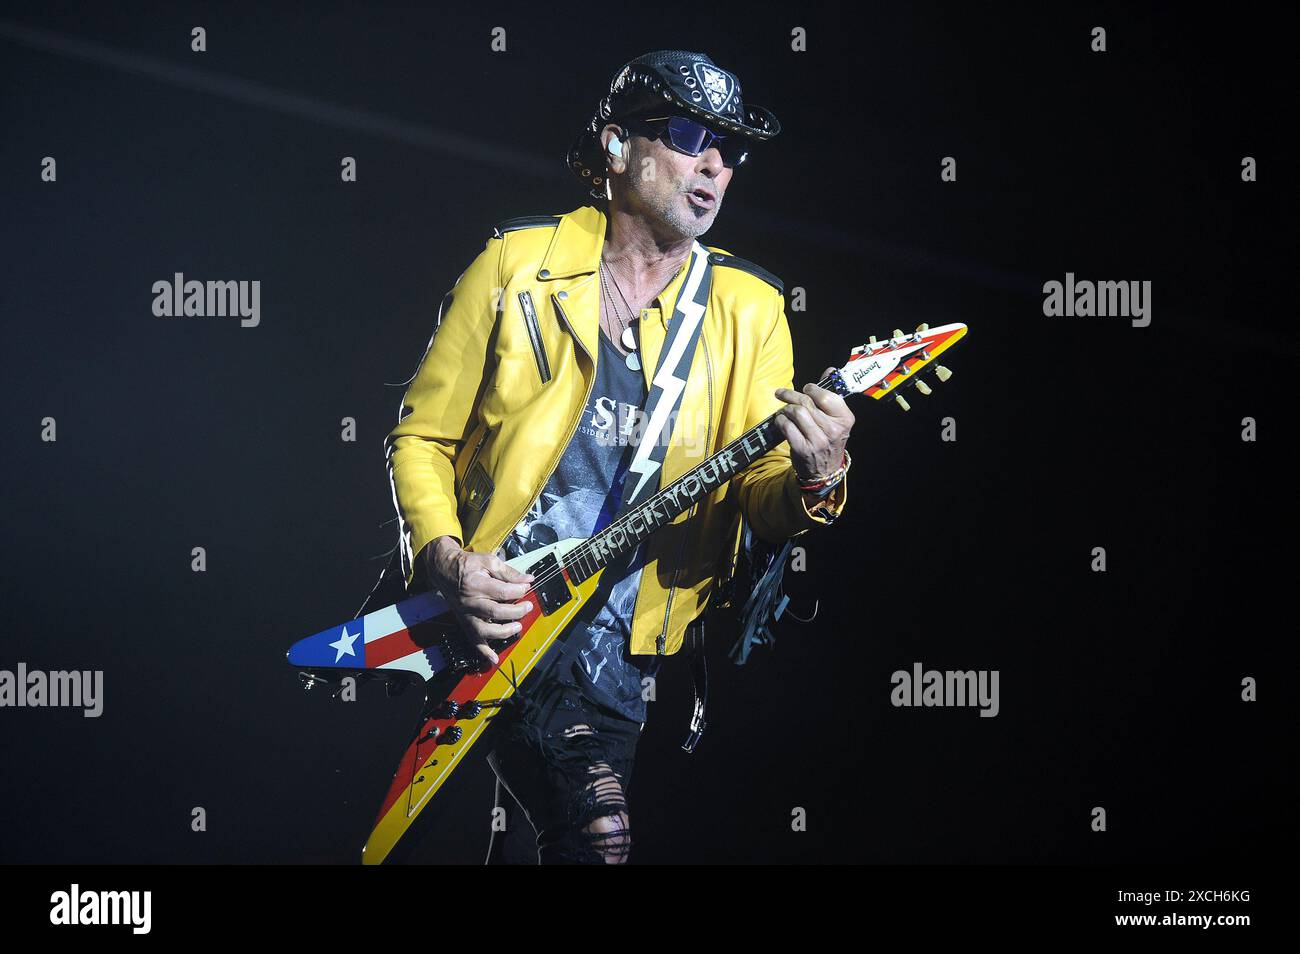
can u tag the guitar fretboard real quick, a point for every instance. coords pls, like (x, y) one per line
(623, 534)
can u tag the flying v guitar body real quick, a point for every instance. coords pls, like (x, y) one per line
(420, 636)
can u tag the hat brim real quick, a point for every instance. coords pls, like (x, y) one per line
(758, 125)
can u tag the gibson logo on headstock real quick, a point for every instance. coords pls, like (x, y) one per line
(860, 373)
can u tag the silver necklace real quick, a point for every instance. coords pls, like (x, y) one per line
(632, 360)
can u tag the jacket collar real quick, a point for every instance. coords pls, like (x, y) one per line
(575, 250)
(576, 244)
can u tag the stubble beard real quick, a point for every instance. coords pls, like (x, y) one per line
(690, 222)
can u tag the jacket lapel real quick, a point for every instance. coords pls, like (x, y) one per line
(570, 265)
(581, 306)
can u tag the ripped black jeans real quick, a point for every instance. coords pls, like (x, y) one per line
(563, 767)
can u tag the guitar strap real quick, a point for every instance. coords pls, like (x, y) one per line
(663, 404)
(667, 387)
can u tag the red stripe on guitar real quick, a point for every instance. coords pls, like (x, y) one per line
(910, 362)
(413, 639)
(467, 690)
(387, 648)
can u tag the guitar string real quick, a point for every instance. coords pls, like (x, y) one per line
(582, 550)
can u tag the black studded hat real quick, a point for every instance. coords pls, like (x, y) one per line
(689, 84)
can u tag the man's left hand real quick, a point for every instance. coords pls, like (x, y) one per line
(816, 422)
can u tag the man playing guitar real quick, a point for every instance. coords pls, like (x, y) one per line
(499, 452)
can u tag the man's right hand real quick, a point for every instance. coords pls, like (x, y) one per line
(481, 589)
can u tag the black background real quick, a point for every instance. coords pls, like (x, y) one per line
(1118, 689)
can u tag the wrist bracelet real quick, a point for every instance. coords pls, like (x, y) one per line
(824, 490)
(821, 493)
(829, 480)
(812, 483)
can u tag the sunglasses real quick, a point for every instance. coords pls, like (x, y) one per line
(692, 138)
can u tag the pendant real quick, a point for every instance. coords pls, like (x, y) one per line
(633, 362)
(629, 339)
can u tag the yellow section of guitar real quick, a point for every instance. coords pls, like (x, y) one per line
(443, 759)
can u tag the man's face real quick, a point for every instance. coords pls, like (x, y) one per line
(682, 192)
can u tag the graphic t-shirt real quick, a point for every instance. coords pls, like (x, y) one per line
(580, 499)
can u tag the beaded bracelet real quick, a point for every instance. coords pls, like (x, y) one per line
(829, 480)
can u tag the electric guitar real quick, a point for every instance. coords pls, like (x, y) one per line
(419, 639)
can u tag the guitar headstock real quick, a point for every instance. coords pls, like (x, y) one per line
(884, 368)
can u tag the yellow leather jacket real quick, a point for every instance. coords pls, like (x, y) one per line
(499, 392)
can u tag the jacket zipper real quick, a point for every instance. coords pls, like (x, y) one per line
(535, 334)
(577, 419)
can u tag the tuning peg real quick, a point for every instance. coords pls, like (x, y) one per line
(942, 373)
(922, 386)
(922, 327)
(898, 332)
(902, 402)
(872, 339)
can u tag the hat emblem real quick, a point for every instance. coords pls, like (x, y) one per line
(718, 85)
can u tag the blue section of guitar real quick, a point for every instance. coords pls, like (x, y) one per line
(386, 631)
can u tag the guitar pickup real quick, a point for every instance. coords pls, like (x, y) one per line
(550, 585)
